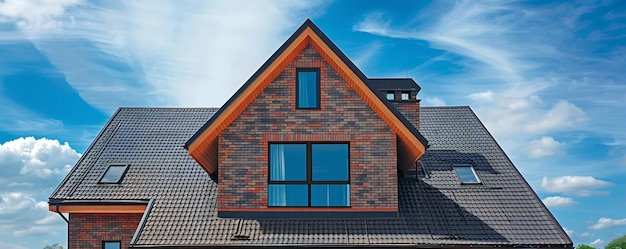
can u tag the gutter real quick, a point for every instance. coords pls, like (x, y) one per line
(142, 222)
(61, 214)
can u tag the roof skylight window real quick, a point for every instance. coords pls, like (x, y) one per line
(114, 174)
(466, 174)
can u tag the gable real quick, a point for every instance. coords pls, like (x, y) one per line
(203, 146)
(273, 118)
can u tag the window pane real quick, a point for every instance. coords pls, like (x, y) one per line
(391, 96)
(405, 96)
(288, 195)
(112, 245)
(287, 162)
(114, 174)
(307, 89)
(330, 195)
(466, 174)
(330, 162)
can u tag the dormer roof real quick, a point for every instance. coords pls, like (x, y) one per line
(202, 146)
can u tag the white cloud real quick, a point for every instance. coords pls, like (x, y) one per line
(545, 146)
(586, 235)
(596, 242)
(34, 15)
(507, 116)
(166, 53)
(574, 185)
(558, 201)
(9, 245)
(35, 165)
(604, 223)
(24, 216)
(434, 101)
(482, 96)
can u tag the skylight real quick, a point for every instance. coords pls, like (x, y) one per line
(466, 174)
(114, 174)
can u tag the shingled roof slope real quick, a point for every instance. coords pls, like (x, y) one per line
(434, 211)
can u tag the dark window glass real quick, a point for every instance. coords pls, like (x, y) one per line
(391, 96)
(111, 245)
(330, 162)
(287, 162)
(114, 174)
(310, 174)
(291, 195)
(466, 174)
(308, 89)
(405, 96)
(330, 195)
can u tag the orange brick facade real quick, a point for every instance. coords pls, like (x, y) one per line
(90, 230)
(273, 117)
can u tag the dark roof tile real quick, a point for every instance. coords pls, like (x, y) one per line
(435, 210)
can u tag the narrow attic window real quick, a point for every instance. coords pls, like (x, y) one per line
(391, 96)
(308, 88)
(466, 174)
(114, 174)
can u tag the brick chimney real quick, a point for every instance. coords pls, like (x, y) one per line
(402, 93)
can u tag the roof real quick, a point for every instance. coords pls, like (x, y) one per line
(202, 145)
(394, 84)
(433, 212)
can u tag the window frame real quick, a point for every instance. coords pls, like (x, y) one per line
(393, 95)
(478, 180)
(317, 85)
(407, 94)
(104, 242)
(309, 173)
(121, 178)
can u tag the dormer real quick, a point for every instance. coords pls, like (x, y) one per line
(307, 136)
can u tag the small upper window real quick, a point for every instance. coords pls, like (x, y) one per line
(308, 88)
(111, 244)
(114, 174)
(405, 96)
(391, 96)
(466, 174)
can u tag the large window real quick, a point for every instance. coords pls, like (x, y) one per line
(308, 88)
(309, 175)
(111, 244)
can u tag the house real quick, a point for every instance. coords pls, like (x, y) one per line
(308, 153)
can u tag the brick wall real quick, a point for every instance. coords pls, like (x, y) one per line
(273, 117)
(89, 230)
(410, 109)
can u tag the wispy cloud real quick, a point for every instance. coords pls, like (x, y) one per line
(596, 242)
(575, 185)
(159, 53)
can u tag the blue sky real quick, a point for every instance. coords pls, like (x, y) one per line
(546, 78)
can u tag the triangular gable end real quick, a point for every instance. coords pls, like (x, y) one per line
(203, 145)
